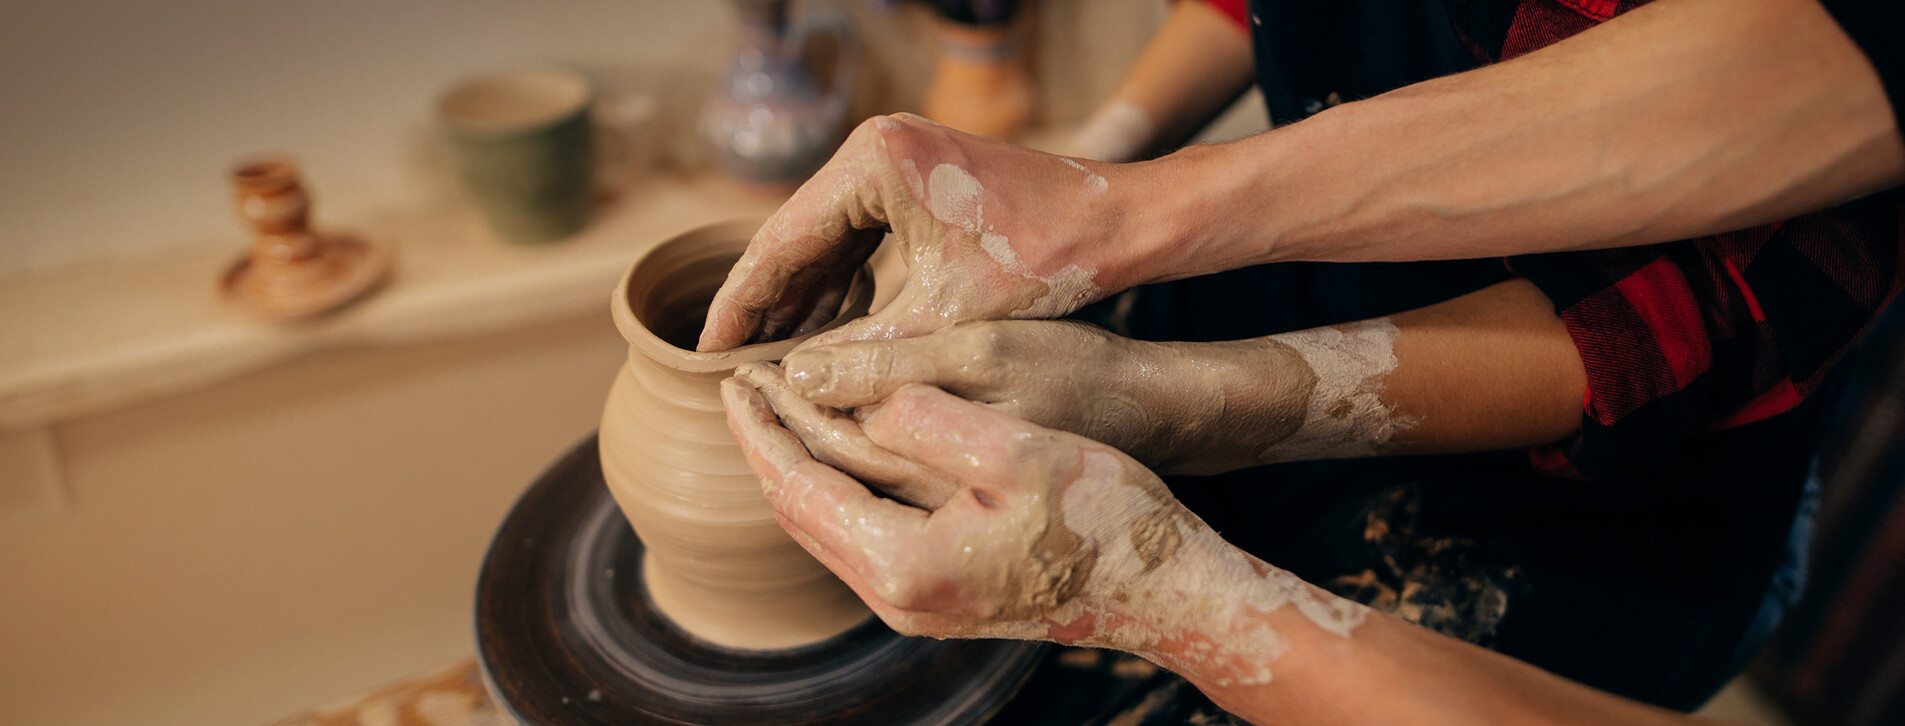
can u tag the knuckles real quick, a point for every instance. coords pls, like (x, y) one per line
(911, 590)
(902, 136)
(899, 133)
(981, 351)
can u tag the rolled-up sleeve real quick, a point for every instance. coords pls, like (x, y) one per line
(1713, 333)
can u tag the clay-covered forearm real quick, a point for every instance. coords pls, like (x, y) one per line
(1489, 370)
(1198, 62)
(1000, 528)
(1384, 670)
(1677, 119)
(1493, 369)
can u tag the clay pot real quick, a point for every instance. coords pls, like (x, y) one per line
(717, 563)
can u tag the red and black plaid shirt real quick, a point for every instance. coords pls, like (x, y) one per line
(1684, 337)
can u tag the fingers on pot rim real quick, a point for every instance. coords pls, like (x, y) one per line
(784, 246)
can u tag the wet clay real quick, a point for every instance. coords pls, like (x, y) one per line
(1159, 580)
(1438, 581)
(961, 263)
(1053, 538)
(1192, 408)
(955, 197)
(717, 563)
(1346, 415)
(1155, 537)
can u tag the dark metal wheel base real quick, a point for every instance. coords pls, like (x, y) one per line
(567, 635)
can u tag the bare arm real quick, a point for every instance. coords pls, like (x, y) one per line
(1389, 671)
(1196, 64)
(1493, 369)
(1680, 118)
(1677, 119)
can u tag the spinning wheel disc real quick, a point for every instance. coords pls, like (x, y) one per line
(566, 634)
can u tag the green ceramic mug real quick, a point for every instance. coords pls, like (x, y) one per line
(521, 139)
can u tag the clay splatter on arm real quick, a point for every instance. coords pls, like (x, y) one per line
(1493, 369)
(1193, 408)
(1346, 414)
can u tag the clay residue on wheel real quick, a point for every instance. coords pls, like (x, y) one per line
(1440, 583)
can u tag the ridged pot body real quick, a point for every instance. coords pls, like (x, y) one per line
(717, 563)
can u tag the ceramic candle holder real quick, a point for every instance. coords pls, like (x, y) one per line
(717, 563)
(291, 270)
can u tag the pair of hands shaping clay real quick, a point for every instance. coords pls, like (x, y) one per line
(1000, 528)
(996, 525)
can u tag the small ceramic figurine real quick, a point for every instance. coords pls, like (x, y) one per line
(769, 122)
(291, 271)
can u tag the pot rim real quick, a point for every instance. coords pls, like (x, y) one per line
(858, 300)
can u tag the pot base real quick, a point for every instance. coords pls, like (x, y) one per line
(567, 634)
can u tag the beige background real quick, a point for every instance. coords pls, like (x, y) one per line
(293, 536)
(122, 115)
(238, 554)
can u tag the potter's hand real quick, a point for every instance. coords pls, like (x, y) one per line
(1493, 369)
(1040, 534)
(1035, 533)
(987, 230)
(1195, 408)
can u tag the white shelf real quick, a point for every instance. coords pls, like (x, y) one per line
(88, 338)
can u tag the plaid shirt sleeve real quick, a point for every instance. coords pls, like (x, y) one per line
(1710, 333)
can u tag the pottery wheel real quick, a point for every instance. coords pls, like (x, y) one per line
(566, 635)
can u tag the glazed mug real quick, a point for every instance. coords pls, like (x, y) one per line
(522, 142)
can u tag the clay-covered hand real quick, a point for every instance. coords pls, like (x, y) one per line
(987, 230)
(1031, 533)
(1191, 408)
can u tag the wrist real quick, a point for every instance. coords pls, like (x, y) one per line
(1145, 212)
(1225, 619)
(1208, 208)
